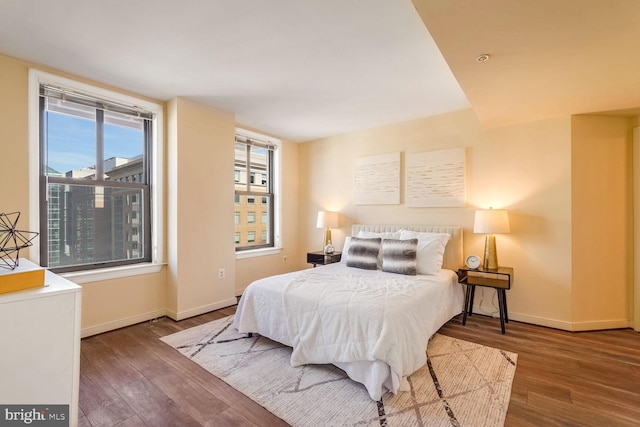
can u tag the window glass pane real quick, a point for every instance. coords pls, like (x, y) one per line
(259, 169)
(247, 226)
(241, 165)
(88, 225)
(123, 148)
(71, 140)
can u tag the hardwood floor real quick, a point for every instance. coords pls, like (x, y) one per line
(128, 377)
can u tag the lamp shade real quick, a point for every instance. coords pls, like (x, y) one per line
(327, 219)
(491, 221)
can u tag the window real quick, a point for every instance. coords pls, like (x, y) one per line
(255, 162)
(96, 164)
(237, 218)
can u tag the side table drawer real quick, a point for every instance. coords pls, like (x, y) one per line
(488, 279)
(320, 258)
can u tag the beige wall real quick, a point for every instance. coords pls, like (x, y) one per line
(525, 168)
(602, 223)
(199, 215)
(106, 304)
(200, 200)
(540, 171)
(14, 147)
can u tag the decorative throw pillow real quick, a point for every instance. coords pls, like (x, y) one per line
(399, 256)
(363, 253)
(381, 234)
(430, 254)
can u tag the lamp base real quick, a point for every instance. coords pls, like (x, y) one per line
(328, 245)
(490, 253)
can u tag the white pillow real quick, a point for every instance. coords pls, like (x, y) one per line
(345, 249)
(381, 234)
(430, 250)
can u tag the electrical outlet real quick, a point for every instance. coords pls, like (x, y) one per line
(284, 258)
(221, 273)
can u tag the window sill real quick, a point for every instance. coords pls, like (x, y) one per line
(80, 277)
(257, 252)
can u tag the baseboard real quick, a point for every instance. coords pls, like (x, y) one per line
(177, 316)
(121, 323)
(559, 324)
(602, 324)
(541, 321)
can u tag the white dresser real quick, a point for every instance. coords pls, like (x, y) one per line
(40, 345)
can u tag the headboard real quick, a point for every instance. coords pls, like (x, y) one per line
(452, 252)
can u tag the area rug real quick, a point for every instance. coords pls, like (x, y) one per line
(462, 384)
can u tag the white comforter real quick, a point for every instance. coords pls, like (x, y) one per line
(372, 324)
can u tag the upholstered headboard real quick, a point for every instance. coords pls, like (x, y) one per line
(452, 253)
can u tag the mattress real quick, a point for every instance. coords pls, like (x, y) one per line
(372, 324)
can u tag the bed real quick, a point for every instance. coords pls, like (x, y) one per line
(374, 323)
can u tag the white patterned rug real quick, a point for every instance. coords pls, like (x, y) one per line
(462, 384)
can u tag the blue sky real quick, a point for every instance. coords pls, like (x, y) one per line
(71, 142)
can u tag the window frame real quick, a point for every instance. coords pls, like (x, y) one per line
(276, 172)
(155, 160)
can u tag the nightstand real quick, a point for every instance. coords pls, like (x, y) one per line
(320, 258)
(500, 279)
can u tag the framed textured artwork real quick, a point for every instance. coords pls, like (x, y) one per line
(376, 179)
(435, 178)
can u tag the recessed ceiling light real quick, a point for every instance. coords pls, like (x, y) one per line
(482, 58)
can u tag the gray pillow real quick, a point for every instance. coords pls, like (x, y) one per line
(399, 256)
(363, 253)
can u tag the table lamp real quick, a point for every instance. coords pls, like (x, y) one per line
(490, 222)
(327, 220)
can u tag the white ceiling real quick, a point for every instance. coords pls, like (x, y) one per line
(549, 58)
(299, 70)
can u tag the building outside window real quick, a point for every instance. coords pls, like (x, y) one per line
(255, 164)
(95, 163)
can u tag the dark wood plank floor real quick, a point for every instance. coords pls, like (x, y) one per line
(128, 377)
